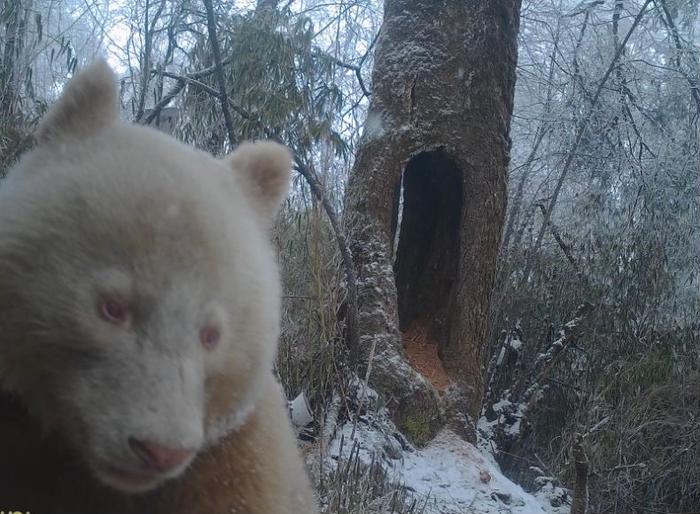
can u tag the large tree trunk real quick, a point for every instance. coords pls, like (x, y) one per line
(8, 79)
(431, 172)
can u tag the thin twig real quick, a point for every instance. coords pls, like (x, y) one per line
(352, 311)
(557, 237)
(357, 68)
(219, 72)
(149, 28)
(667, 19)
(583, 124)
(181, 81)
(153, 113)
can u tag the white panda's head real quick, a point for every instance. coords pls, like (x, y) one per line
(139, 294)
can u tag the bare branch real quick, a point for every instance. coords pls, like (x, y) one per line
(671, 26)
(583, 124)
(557, 237)
(149, 28)
(164, 101)
(357, 68)
(182, 80)
(219, 72)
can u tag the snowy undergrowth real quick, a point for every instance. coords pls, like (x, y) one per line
(448, 476)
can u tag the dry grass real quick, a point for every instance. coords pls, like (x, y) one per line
(13, 143)
(648, 459)
(356, 487)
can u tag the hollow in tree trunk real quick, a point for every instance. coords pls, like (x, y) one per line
(426, 202)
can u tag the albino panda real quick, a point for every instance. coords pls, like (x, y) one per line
(139, 317)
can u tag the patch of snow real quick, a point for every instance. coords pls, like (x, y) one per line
(516, 344)
(448, 476)
(573, 323)
(500, 356)
(555, 500)
(374, 126)
(503, 405)
(509, 415)
(362, 391)
(543, 480)
(455, 476)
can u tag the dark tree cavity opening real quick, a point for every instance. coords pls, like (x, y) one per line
(427, 255)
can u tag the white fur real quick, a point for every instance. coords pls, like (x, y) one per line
(105, 207)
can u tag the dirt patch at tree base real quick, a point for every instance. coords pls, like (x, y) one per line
(422, 353)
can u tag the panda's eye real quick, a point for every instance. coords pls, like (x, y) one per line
(209, 336)
(114, 310)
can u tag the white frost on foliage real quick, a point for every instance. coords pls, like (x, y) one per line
(363, 391)
(508, 416)
(552, 499)
(516, 344)
(555, 499)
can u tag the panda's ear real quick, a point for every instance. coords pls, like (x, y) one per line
(88, 103)
(264, 169)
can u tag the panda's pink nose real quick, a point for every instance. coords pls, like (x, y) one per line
(158, 457)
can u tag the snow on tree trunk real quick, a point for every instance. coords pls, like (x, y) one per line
(431, 172)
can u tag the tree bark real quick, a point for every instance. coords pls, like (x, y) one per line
(8, 94)
(581, 465)
(431, 166)
(149, 26)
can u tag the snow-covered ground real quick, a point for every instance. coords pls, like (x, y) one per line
(448, 476)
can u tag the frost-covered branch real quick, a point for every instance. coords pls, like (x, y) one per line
(580, 130)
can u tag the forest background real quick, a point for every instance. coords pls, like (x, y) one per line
(594, 329)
